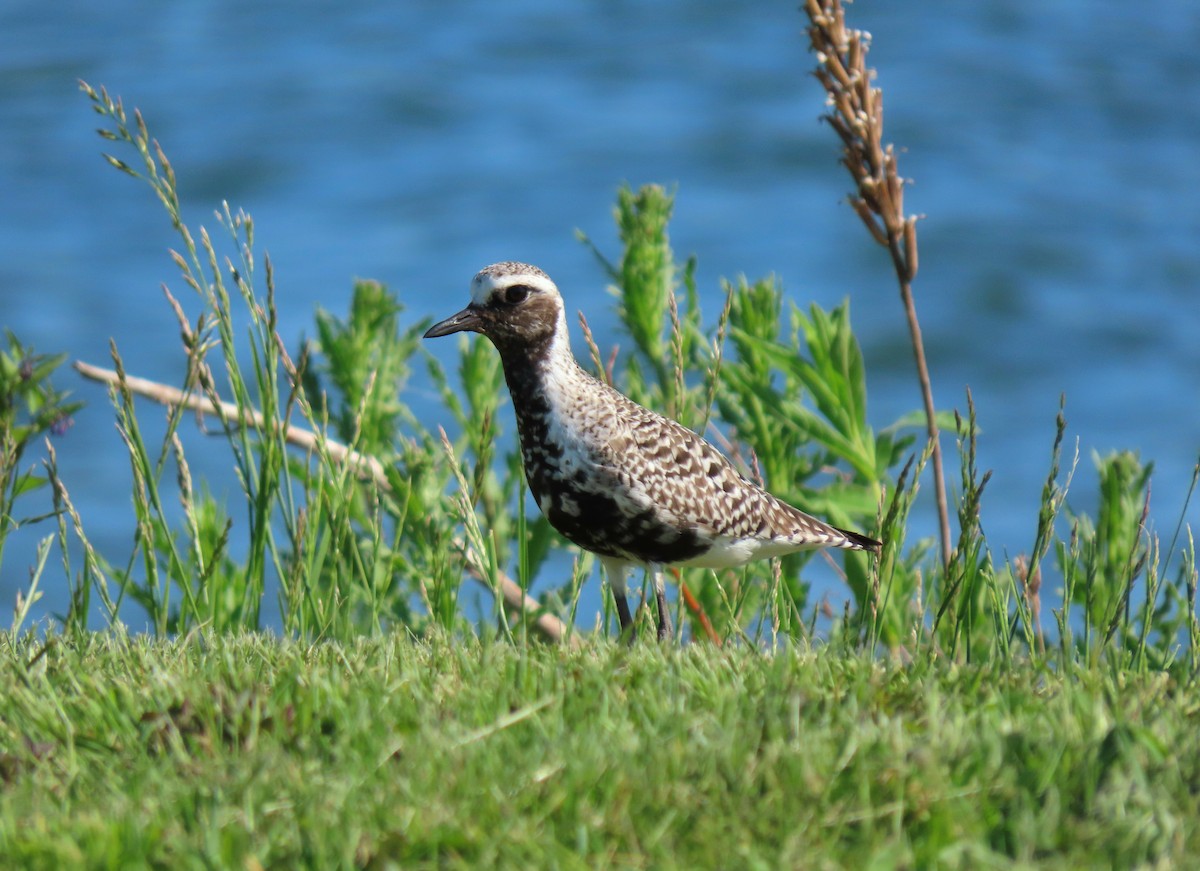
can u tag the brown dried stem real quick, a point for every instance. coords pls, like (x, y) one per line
(856, 115)
(368, 467)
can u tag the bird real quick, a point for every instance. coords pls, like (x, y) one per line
(613, 477)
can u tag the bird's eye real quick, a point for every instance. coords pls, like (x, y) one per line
(516, 294)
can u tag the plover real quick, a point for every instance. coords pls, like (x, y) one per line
(617, 479)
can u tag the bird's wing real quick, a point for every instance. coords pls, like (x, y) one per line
(652, 463)
(663, 464)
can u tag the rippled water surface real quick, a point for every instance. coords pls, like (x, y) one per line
(1055, 153)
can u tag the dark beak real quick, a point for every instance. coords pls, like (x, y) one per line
(467, 319)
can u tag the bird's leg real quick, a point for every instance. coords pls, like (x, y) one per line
(624, 616)
(615, 570)
(664, 614)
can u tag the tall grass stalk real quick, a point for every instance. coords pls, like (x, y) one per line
(856, 115)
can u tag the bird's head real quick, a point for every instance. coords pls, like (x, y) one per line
(515, 305)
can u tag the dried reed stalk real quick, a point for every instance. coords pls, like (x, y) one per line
(856, 114)
(514, 597)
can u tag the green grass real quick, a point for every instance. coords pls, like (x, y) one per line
(249, 751)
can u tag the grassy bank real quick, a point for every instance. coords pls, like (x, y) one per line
(247, 752)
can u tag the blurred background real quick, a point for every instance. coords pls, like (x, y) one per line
(1055, 152)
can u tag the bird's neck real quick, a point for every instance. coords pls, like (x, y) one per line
(536, 374)
(530, 368)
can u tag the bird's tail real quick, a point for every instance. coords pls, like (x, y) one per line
(857, 541)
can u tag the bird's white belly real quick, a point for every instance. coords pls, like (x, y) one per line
(727, 553)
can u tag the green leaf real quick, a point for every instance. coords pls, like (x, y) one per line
(28, 482)
(916, 420)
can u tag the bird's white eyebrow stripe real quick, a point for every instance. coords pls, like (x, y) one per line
(485, 284)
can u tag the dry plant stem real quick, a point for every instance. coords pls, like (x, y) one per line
(939, 476)
(856, 115)
(164, 394)
(514, 597)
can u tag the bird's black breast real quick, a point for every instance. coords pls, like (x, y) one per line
(599, 523)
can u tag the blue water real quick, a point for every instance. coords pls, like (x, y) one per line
(1055, 150)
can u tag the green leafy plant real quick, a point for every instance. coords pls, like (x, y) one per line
(30, 409)
(791, 408)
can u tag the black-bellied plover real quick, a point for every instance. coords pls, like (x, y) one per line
(615, 478)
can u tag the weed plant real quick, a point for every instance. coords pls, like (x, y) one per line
(30, 408)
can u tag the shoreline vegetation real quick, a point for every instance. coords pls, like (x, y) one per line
(965, 708)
